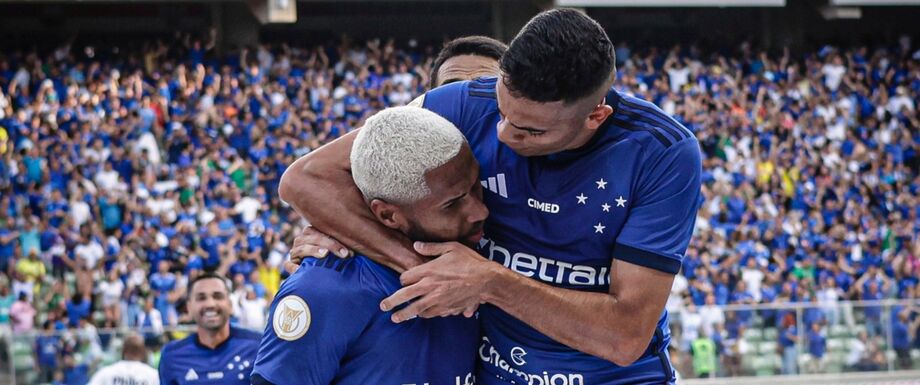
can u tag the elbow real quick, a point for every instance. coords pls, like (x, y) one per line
(625, 350)
(626, 355)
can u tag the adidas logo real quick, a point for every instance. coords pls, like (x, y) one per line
(191, 375)
(496, 184)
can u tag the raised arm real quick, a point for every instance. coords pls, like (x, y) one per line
(320, 188)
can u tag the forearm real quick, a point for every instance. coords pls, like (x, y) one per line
(599, 324)
(326, 196)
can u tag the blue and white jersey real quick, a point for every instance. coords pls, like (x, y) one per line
(630, 193)
(188, 362)
(326, 327)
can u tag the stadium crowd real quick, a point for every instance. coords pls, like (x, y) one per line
(124, 174)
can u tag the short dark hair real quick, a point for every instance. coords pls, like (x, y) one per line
(468, 45)
(204, 276)
(560, 55)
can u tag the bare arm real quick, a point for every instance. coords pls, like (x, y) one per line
(320, 188)
(616, 326)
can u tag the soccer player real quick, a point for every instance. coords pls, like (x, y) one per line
(216, 353)
(466, 58)
(132, 369)
(418, 177)
(593, 195)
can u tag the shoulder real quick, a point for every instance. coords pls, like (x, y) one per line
(334, 278)
(462, 100)
(176, 346)
(245, 334)
(645, 122)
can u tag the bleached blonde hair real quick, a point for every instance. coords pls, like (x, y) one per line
(395, 149)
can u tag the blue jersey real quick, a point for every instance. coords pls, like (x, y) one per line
(630, 193)
(187, 361)
(327, 328)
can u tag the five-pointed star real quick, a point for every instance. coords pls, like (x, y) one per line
(601, 184)
(605, 207)
(581, 198)
(620, 201)
(599, 228)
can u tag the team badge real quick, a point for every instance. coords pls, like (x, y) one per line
(291, 319)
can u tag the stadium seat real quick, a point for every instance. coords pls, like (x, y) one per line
(767, 347)
(770, 334)
(753, 334)
(839, 331)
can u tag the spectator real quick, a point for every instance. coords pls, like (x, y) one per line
(8, 243)
(111, 291)
(163, 283)
(22, 314)
(817, 347)
(902, 333)
(829, 298)
(872, 292)
(858, 356)
(78, 308)
(704, 355)
(150, 321)
(32, 271)
(711, 315)
(47, 352)
(252, 310)
(788, 340)
(691, 322)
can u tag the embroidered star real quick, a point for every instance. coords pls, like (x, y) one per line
(601, 184)
(605, 207)
(599, 228)
(620, 201)
(581, 198)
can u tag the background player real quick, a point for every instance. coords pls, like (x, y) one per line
(132, 369)
(216, 352)
(466, 58)
(419, 177)
(605, 205)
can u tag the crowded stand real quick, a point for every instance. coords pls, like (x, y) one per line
(128, 171)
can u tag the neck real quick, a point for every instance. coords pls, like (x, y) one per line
(212, 338)
(582, 140)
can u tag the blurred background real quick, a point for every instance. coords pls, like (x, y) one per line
(141, 143)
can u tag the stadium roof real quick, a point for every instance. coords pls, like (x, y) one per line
(875, 2)
(672, 3)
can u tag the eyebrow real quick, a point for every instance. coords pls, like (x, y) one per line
(522, 128)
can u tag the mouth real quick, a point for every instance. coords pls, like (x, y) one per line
(476, 235)
(210, 316)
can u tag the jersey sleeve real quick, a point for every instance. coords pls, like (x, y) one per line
(657, 232)
(310, 327)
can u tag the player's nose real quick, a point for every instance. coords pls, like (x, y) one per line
(479, 211)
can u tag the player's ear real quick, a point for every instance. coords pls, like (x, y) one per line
(598, 115)
(389, 214)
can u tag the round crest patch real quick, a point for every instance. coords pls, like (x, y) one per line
(291, 318)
